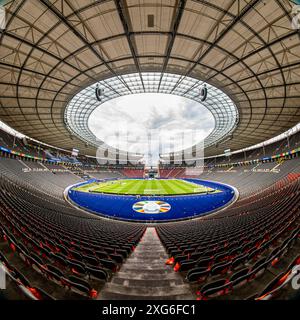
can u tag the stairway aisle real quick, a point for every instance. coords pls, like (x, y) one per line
(145, 276)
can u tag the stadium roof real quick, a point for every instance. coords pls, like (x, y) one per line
(51, 50)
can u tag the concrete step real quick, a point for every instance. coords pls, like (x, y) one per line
(136, 267)
(144, 263)
(147, 253)
(147, 275)
(144, 275)
(160, 257)
(133, 272)
(119, 296)
(148, 291)
(147, 282)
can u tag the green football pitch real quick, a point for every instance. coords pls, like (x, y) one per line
(145, 187)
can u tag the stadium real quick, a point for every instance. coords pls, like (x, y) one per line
(149, 150)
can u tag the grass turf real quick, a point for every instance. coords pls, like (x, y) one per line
(146, 187)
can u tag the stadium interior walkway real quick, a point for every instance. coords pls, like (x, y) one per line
(146, 276)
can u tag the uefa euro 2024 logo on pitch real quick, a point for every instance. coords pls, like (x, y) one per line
(2, 18)
(296, 17)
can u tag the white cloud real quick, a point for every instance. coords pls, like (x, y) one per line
(128, 121)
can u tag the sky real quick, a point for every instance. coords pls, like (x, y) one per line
(151, 123)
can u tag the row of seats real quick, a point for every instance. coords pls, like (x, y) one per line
(133, 173)
(248, 181)
(237, 244)
(215, 254)
(63, 248)
(171, 173)
(20, 283)
(250, 272)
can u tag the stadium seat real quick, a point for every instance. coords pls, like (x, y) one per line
(239, 278)
(197, 274)
(213, 289)
(97, 273)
